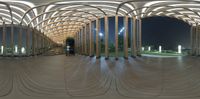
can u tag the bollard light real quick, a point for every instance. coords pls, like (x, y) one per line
(16, 49)
(23, 50)
(2, 49)
(142, 48)
(149, 48)
(179, 49)
(160, 49)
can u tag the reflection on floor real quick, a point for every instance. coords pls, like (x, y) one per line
(81, 77)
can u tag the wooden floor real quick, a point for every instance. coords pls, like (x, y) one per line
(82, 77)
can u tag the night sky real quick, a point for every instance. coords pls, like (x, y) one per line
(165, 31)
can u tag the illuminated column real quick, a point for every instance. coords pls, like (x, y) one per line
(126, 37)
(106, 36)
(133, 38)
(116, 37)
(28, 41)
(20, 39)
(12, 39)
(97, 38)
(91, 40)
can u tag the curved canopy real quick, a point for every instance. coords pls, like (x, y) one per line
(65, 18)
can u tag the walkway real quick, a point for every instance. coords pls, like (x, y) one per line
(81, 77)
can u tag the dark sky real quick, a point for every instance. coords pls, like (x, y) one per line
(165, 31)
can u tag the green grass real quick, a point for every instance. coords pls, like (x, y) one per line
(163, 54)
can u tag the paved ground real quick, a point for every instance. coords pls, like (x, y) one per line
(81, 77)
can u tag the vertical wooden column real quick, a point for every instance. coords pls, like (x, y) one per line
(85, 40)
(97, 39)
(12, 38)
(91, 39)
(43, 42)
(191, 40)
(4, 39)
(28, 41)
(20, 39)
(196, 40)
(116, 37)
(126, 37)
(33, 42)
(140, 37)
(133, 38)
(82, 41)
(106, 36)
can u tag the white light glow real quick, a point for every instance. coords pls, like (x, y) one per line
(2, 48)
(179, 49)
(100, 34)
(158, 8)
(23, 50)
(149, 48)
(121, 30)
(16, 49)
(160, 49)
(154, 2)
(142, 48)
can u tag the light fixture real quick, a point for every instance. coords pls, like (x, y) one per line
(23, 50)
(100, 34)
(160, 49)
(179, 49)
(149, 48)
(2, 49)
(16, 49)
(142, 48)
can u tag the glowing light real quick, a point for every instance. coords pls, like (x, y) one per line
(2, 49)
(149, 48)
(160, 49)
(121, 30)
(142, 48)
(179, 49)
(100, 34)
(23, 50)
(16, 49)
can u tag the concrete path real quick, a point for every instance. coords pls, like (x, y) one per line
(82, 77)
